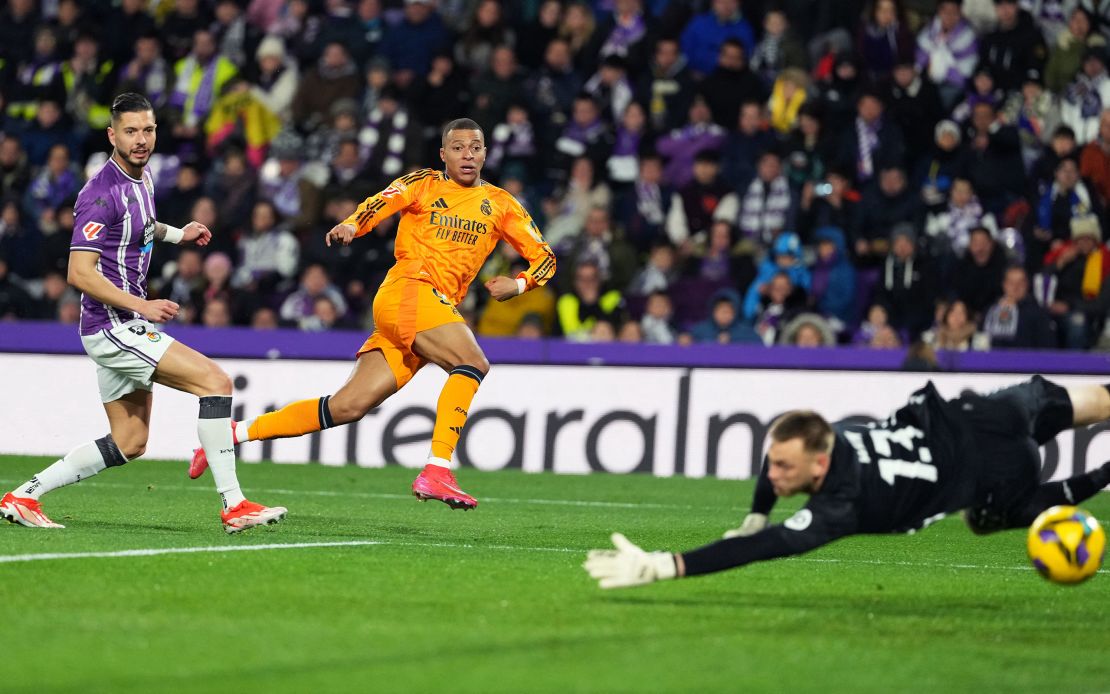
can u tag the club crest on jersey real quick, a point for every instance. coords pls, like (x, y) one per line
(91, 230)
(487, 208)
(153, 336)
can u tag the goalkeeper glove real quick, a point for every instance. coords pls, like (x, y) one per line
(628, 565)
(753, 523)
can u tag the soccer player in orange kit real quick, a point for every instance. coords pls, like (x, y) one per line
(451, 220)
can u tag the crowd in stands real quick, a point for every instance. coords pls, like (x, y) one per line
(805, 172)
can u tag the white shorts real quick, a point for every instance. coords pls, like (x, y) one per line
(126, 357)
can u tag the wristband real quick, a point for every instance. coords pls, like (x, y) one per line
(521, 285)
(173, 234)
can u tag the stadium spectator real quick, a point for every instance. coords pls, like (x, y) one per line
(610, 88)
(872, 141)
(1013, 48)
(725, 324)
(17, 28)
(832, 290)
(233, 186)
(1094, 160)
(767, 204)
(682, 146)
(20, 241)
(579, 29)
(957, 331)
(977, 277)
(838, 86)
(514, 146)
(913, 104)
(536, 37)
(334, 77)
(875, 320)
(628, 33)
(658, 274)
(1086, 97)
(15, 172)
(48, 129)
(237, 38)
(730, 84)
(981, 89)
(585, 135)
(486, 30)
(1016, 320)
(1061, 146)
(947, 50)
(496, 87)
(883, 39)
(185, 285)
(268, 253)
(785, 259)
(56, 297)
(602, 245)
(776, 307)
(15, 301)
(410, 44)
(721, 259)
(642, 210)
(788, 95)
(778, 49)
(552, 88)
(274, 82)
(1068, 50)
(1080, 268)
(697, 204)
(829, 203)
(147, 72)
(264, 318)
(1067, 198)
(808, 149)
(389, 139)
(950, 226)
(314, 284)
(655, 326)
(55, 183)
(199, 79)
(883, 208)
(907, 284)
(995, 164)
(807, 330)
(744, 145)
(706, 32)
(587, 302)
(567, 213)
(180, 24)
(38, 76)
(667, 87)
(630, 332)
(885, 337)
(1034, 113)
(216, 314)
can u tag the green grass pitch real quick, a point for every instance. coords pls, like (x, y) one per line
(495, 599)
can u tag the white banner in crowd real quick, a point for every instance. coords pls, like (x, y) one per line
(566, 419)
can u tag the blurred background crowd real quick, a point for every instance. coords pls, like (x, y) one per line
(800, 172)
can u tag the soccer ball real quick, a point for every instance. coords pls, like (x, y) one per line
(1066, 544)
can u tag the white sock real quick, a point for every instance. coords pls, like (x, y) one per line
(242, 431)
(214, 431)
(80, 463)
(441, 462)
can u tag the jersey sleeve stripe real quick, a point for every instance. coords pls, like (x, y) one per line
(86, 248)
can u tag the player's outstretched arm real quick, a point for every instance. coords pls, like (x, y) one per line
(763, 500)
(84, 277)
(190, 233)
(397, 196)
(809, 528)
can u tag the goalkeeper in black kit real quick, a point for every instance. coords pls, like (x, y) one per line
(932, 457)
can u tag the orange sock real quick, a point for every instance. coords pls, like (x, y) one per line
(295, 419)
(452, 408)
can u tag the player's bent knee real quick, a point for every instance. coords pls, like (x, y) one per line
(347, 411)
(217, 381)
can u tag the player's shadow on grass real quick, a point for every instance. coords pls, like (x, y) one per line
(875, 602)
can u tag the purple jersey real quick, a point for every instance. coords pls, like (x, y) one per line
(114, 216)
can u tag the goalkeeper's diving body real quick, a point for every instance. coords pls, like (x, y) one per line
(975, 453)
(451, 220)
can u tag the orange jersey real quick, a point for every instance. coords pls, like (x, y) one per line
(447, 231)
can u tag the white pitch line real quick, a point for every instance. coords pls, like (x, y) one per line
(156, 551)
(9, 558)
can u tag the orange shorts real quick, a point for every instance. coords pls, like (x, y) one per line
(404, 307)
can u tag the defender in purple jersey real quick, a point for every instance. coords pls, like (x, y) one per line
(115, 228)
(932, 457)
